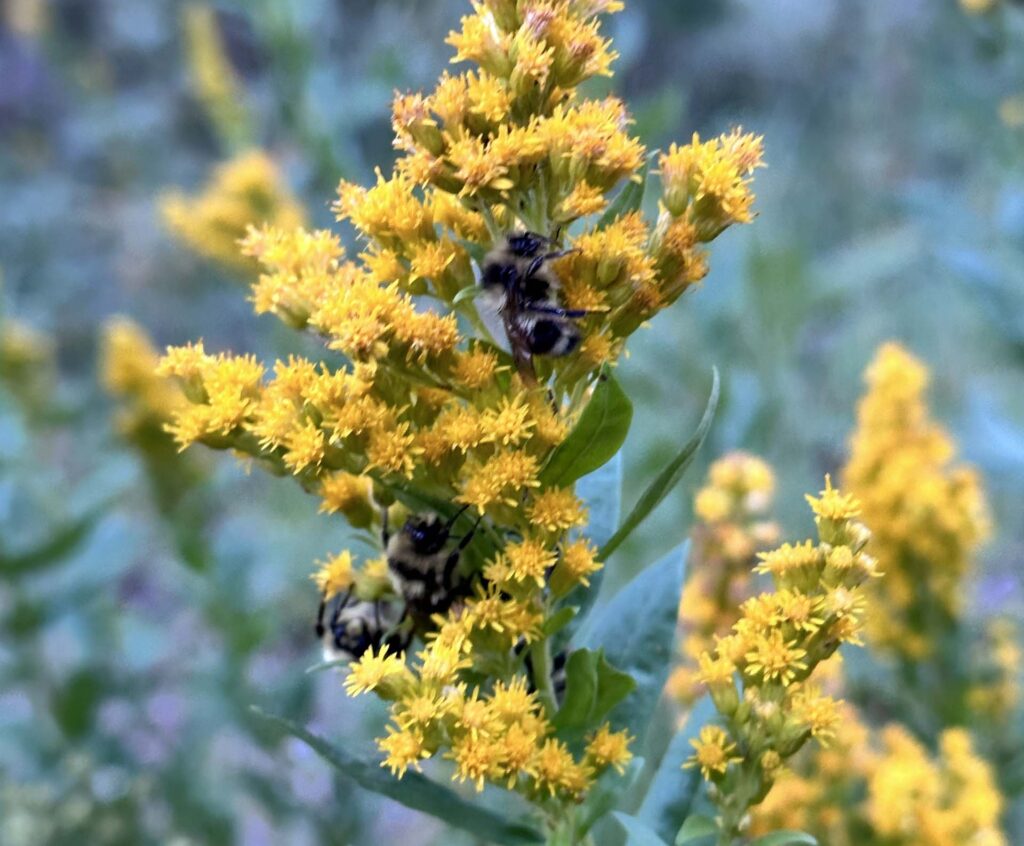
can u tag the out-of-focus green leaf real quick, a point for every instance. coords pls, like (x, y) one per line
(593, 688)
(606, 794)
(61, 543)
(596, 437)
(74, 703)
(414, 791)
(602, 493)
(637, 834)
(636, 630)
(696, 828)
(670, 795)
(470, 292)
(786, 838)
(667, 478)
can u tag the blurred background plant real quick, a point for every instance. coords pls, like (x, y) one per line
(147, 602)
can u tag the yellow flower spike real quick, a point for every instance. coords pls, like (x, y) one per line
(500, 480)
(774, 658)
(384, 674)
(576, 563)
(713, 752)
(557, 510)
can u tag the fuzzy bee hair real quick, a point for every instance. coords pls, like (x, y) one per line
(356, 626)
(423, 568)
(524, 288)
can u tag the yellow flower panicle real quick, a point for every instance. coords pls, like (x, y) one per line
(760, 675)
(128, 363)
(732, 509)
(247, 190)
(428, 407)
(928, 515)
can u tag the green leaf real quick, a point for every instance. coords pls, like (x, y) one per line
(627, 200)
(636, 629)
(593, 688)
(559, 620)
(414, 790)
(786, 838)
(667, 478)
(637, 834)
(597, 436)
(606, 794)
(670, 795)
(62, 542)
(695, 828)
(470, 292)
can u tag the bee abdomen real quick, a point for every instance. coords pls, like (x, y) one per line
(553, 337)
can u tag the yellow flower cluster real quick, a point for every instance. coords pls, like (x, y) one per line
(978, 7)
(928, 515)
(25, 354)
(760, 675)
(885, 788)
(243, 191)
(428, 407)
(733, 526)
(502, 736)
(128, 363)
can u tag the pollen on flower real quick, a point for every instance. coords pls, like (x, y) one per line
(557, 509)
(500, 480)
(373, 671)
(403, 748)
(713, 752)
(476, 368)
(607, 748)
(773, 658)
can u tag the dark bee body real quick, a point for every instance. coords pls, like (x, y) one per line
(518, 273)
(423, 568)
(356, 626)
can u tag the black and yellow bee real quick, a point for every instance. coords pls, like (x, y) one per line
(424, 566)
(357, 625)
(517, 275)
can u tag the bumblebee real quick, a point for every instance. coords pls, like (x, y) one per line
(423, 567)
(517, 275)
(357, 625)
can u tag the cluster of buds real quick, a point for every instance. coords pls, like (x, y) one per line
(733, 526)
(760, 675)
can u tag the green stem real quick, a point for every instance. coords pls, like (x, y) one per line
(540, 655)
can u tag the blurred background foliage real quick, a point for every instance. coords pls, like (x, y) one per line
(146, 603)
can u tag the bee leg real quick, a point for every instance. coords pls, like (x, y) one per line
(535, 265)
(319, 628)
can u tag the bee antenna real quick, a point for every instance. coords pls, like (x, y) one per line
(452, 520)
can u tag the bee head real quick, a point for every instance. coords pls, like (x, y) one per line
(428, 533)
(526, 244)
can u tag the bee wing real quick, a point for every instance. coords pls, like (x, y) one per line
(488, 306)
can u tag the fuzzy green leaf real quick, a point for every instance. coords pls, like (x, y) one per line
(596, 438)
(637, 834)
(667, 478)
(671, 793)
(786, 838)
(694, 829)
(593, 688)
(636, 629)
(414, 790)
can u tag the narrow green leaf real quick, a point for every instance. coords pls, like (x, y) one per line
(786, 838)
(670, 795)
(636, 629)
(470, 292)
(597, 436)
(414, 790)
(606, 794)
(559, 620)
(637, 834)
(629, 198)
(667, 478)
(695, 828)
(61, 542)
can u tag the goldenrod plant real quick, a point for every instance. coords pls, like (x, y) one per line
(732, 513)
(503, 265)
